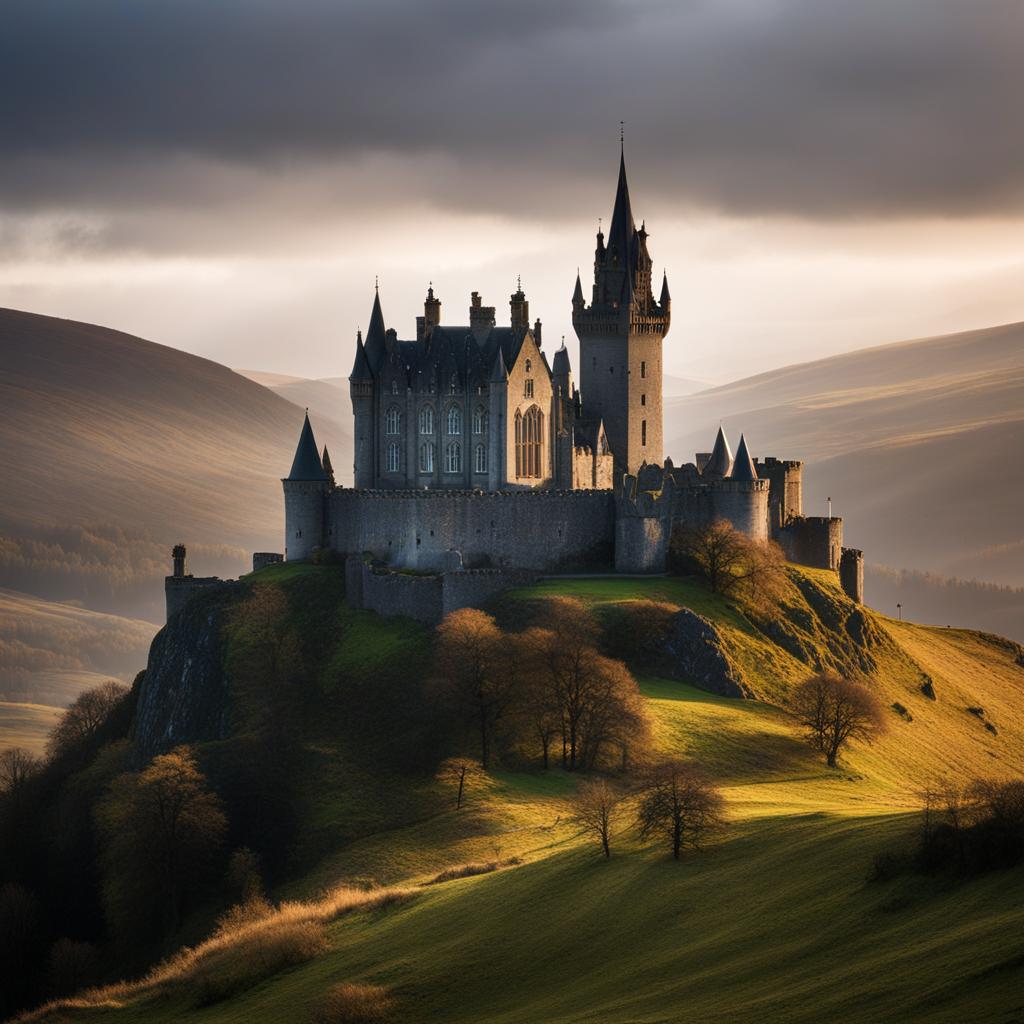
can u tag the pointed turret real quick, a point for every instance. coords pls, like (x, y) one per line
(499, 375)
(307, 465)
(328, 468)
(720, 462)
(376, 335)
(743, 466)
(620, 235)
(577, 296)
(361, 365)
(561, 363)
(665, 301)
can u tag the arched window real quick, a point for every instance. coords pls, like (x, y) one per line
(394, 387)
(480, 459)
(393, 421)
(394, 457)
(427, 419)
(479, 420)
(453, 458)
(454, 419)
(427, 457)
(529, 443)
(453, 384)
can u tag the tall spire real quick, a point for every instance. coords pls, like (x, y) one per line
(743, 467)
(376, 347)
(307, 465)
(620, 234)
(665, 297)
(361, 365)
(577, 295)
(720, 463)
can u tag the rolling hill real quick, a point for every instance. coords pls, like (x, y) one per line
(774, 922)
(915, 442)
(114, 448)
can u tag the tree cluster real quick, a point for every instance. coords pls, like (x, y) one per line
(676, 805)
(547, 688)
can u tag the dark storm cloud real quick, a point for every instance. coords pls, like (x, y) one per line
(811, 107)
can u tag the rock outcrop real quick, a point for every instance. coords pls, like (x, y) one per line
(696, 654)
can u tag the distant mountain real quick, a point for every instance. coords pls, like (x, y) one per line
(918, 444)
(112, 448)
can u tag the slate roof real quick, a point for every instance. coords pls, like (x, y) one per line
(720, 462)
(743, 466)
(307, 465)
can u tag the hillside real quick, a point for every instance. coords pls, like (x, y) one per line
(912, 441)
(114, 448)
(774, 922)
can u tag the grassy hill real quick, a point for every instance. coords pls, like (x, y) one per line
(774, 922)
(910, 440)
(114, 448)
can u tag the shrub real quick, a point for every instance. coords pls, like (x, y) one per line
(351, 1003)
(469, 870)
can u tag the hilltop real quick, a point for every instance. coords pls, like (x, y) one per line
(775, 921)
(911, 441)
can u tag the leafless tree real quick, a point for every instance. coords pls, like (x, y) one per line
(834, 711)
(84, 717)
(458, 771)
(475, 671)
(17, 766)
(596, 808)
(678, 803)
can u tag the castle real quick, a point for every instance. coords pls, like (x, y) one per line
(476, 460)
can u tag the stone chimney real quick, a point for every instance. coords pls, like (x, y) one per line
(520, 312)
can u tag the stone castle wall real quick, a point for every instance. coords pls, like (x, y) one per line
(814, 541)
(851, 574)
(511, 529)
(179, 590)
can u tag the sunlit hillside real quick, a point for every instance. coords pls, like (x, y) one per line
(775, 921)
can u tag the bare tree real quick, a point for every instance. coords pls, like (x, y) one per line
(678, 803)
(596, 808)
(729, 560)
(84, 717)
(475, 671)
(17, 766)
(834, 711)
(593, 700)
(458, 771)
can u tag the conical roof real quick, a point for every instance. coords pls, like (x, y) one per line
(360, 365)
(623, 228)
(306, 464)
(720, 462)
(561, 364)
(499, 374)
(665, 297)
(743, 466)
(328, 468)
(376, 335)
(577, 295)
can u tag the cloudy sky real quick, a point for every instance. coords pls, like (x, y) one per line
(229, 177)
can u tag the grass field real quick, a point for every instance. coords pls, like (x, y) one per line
(773, 922)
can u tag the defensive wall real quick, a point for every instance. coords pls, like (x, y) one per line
(426, 598)
(418, 529)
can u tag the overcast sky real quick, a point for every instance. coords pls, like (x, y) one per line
(229, 177)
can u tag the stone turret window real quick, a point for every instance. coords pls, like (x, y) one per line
(643, 432)
(528, 386)
(427, 419)
(427, 457)
(479, 420)
(394, 457)
(480, 459)
(529, 434)
(643, 369)
(454, 420)
(393, 421)
(453, 458)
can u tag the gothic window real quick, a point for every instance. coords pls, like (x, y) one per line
(479, 420)
(529, 435)
(453, 385)
(454, 419)
(529, 365)
(393, 421)
(394, 457)
(480, 459)
(394, 387)
(528, 386)
(453, 458)
(427, 419)
(643, 432)
(427, 457)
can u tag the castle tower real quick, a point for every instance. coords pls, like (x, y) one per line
(519, 313)
(305, 494)
(621, 334)
(369, 360)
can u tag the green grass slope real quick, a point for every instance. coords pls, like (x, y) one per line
(774, 922)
